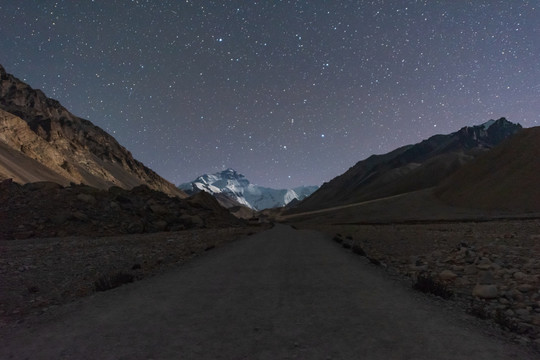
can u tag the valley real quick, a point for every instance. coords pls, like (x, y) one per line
(81, 219)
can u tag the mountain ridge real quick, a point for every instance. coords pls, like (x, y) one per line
(237, 187)
(410, 167)
(73, 149)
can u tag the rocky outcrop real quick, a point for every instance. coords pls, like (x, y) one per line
(73, 148)
(47, 209)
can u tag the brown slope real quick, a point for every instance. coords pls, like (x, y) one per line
(505, 178)
(23, 169)
(409, 168)
(341, 189)
(26, 157)
(71, 147)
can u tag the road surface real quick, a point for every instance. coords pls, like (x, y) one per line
(281, 294)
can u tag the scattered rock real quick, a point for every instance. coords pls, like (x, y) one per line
(486, 278)
(484, 264)
(524, 288)
(518, 275)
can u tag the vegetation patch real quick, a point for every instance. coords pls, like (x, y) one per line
(481, 311)
(108, 282)
(374, 261)
(357, 249)
(478, 310)
(426, 284)
(505, 321)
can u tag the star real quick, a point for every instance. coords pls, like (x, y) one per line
(191, 86)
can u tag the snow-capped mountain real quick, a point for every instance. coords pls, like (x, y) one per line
(237, 187)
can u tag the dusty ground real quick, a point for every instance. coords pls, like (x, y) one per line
(502, 255)
(39, 274)
(281, 294)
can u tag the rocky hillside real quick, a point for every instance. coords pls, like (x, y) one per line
(410, 168)
(41, 140)
(47, 209)
(505, 178)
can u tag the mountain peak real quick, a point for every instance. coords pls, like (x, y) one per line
(230, 173)
(237, 187)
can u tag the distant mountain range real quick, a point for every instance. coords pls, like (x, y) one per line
(41, 140)
(232, 188)
(409, 168)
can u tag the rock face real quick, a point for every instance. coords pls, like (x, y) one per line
(47, 209)
(42, 141)
(410, 168)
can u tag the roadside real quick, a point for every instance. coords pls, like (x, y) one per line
(497, 261)
(280, 294)
(37, 275)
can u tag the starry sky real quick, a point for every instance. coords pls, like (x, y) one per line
(288, 93)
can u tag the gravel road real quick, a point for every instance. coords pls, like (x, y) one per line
(280, 294)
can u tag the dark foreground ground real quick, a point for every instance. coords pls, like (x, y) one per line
(280, 294)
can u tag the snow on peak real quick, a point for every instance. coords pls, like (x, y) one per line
(235, 185)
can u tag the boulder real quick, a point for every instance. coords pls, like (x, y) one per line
(484, 264)
(525, 288)
(485, 291)
(447, 275)
(87, 198)
(518, 275)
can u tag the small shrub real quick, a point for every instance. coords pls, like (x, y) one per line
(108, 282)
(505, 321)
(374, 261)
(479, 311)
(349, 237)
(346, 245)
(357, 249)
(426, 284)
(209, 247)
(338, 239)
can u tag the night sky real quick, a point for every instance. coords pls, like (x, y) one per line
(286, 92)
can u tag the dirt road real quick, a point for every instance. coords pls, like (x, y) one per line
(281, 294)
